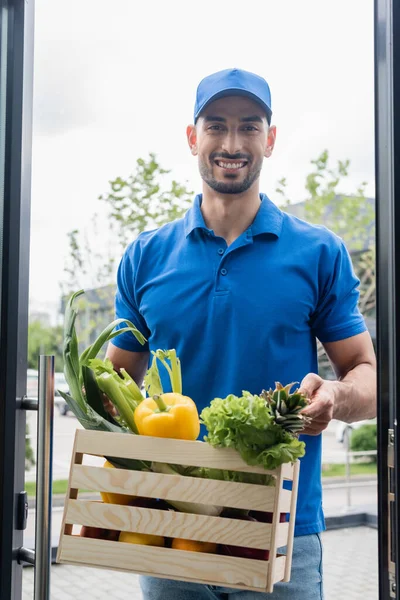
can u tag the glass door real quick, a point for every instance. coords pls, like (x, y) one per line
(16, 59)
(16, 56)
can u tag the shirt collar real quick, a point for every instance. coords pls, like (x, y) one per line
(194, 217)
(268, 218)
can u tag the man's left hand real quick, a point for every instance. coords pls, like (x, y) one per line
(321, 394)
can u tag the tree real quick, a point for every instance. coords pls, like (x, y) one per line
(44, 340)
(141, 202)
(365, 439)
(146, 199)
(352, 217)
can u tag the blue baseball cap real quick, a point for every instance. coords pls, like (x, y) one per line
(233, 82)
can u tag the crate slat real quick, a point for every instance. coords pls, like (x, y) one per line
(174, 564)
(173, 524)
(274, 540)
(175, 487)
(76, 458)
(295, 489)
(181, 452)
(279, 570)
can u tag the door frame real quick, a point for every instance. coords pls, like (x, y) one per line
(387, 155)
(16, 100)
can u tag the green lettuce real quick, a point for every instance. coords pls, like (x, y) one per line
(246, 424)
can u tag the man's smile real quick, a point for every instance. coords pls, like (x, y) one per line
(230, 166)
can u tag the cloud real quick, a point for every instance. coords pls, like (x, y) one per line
(62, 87)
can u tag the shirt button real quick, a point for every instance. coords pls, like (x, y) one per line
(224, 271)
(221, 250)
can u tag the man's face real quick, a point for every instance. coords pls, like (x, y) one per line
(231, 138)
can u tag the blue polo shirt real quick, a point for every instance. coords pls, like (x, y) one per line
(245, 316)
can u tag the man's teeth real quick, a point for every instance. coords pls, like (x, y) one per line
(226, 165)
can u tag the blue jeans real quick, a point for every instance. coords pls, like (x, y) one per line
(305, 582)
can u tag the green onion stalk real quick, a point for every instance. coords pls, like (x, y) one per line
(173, 369)
(120, 397)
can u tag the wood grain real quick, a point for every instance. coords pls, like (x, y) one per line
(182, 452)
(175, 487)
(279, 569)
(164, 562)
(289, 551)
(171, 524)
(274, 540)
(148, 560)
(76, 458)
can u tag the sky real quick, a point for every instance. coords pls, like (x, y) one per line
(114, 81)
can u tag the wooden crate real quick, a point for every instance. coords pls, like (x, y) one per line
(207, 568)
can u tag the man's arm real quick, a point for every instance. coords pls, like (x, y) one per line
(135, 363)
(352, 397)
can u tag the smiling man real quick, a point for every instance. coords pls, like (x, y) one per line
(242, 291)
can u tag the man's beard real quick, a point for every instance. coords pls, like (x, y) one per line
(229, 187)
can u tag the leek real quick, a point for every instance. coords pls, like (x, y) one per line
(131, 386)
(74, 372)
(119, 397)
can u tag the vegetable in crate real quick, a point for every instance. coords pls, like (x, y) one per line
(242, 551)
(85, 398)
(121, 389)
(169, 415)
(110, 498)
(248, 425)
(194, 546)
(285, 407)
(143, 539)
(99, 533)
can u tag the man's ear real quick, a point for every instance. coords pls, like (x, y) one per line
(192, 138)
(270, 141)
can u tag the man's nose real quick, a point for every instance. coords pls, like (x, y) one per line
(231, 142)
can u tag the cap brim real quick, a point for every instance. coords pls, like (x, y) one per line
(235, 92)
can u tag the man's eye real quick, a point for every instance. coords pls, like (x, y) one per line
(215, 127)
(250, 128)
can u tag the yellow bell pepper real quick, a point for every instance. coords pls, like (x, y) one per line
(194, 546)
(143, 539)
(168, 415)
(111, 498)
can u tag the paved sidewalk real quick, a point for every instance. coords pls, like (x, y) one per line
(350, 566)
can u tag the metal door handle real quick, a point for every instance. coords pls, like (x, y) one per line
(41, 557)
(44, 477)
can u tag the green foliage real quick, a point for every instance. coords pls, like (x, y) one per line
(60, 486)
(281, 190)
(29, 456)
(146, 199)
(356, 468)
(44, 340)
(364, 438)
(350, 216)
